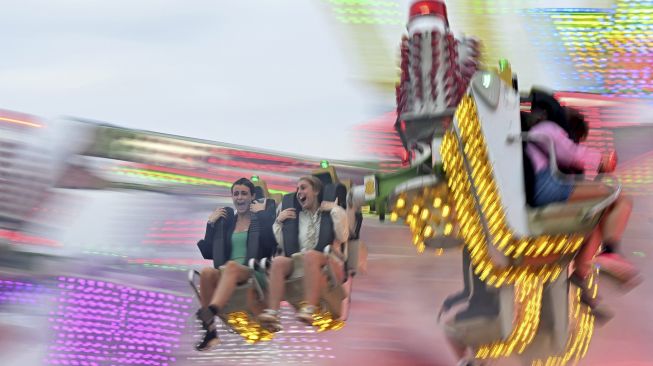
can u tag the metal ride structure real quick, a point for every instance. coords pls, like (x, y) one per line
(465, 187)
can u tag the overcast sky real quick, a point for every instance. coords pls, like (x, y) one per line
(269, 74)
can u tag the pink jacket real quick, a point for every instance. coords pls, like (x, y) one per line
(568, 153)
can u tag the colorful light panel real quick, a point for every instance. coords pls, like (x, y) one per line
(104, 323)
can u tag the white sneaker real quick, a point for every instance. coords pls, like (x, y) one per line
(305, 314)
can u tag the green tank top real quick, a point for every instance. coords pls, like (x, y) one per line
(239, 247)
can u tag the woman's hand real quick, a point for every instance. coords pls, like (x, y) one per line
(286, 214)
(336, 248)
(219, 212)
(257, 206)
(608, 163)
(327, 206)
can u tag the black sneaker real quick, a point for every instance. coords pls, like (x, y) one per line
(209, 341)
(210, 338)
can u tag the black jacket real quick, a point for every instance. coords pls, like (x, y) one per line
(216, 244)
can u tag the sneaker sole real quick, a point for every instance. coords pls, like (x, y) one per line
(210, 346)
(271, 327)
(270, 324)
(306, 319)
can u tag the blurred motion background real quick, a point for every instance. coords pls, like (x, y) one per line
(123, 124)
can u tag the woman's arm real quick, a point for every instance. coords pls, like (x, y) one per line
(567, 152)
(340, 224)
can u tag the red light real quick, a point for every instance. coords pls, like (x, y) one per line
(405, 157)
(429, 7)
(611, 164)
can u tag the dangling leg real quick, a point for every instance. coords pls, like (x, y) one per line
(314, 281)
(280, 270)
(583, 264)
(209, 280)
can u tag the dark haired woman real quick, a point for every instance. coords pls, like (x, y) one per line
(230, 253)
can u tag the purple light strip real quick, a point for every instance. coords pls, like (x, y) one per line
(107, 324)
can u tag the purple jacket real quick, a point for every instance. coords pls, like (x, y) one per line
(568, 153)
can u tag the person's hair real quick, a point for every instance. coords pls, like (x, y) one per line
(244, 182)
(315, 182)
(578, 128)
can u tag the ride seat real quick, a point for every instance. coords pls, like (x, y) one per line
(562, 217)
(259, 193)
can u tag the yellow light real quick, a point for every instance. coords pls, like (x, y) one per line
(394, 216)
(448, 228)
(401, 202)
(250, 330)
(415, 209)
(445, 210)
(425, 213)
(437, 202)
(428, 231)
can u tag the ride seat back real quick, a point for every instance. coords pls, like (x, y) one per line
(259, 193)
(326, 175)
(354, 245)
(498, 110)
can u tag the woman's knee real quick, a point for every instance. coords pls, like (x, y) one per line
(232, 267)
(280, 264)
(280, 261)
(208, 272)
(313, 258)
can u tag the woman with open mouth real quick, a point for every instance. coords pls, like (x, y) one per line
(230, 253)
(311, 207)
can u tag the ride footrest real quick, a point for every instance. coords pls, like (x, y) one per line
(248, 328)
(323, 320)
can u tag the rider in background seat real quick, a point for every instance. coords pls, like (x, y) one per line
(548, 190)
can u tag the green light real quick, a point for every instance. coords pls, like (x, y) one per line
(503, 64)
(324, 164)
(255, 178)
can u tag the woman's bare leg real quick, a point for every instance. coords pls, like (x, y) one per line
(583, 261)
(314, 279)
(614, 221)
(280, 270)
(232, 274)
(587, 191)
(614, 224)
(209, 278)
